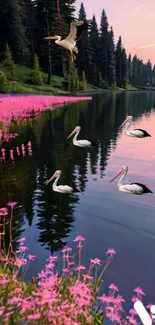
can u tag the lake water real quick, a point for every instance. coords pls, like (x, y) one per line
(100, 213)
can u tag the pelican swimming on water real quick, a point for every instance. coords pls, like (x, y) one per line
(132, 188)
(80, 143)
(137, 133)
(60, 188)
(69, 43)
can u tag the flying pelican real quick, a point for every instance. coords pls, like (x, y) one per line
(137, 133)
(60, 188)
(80, 143)
(132, 188)
(69, 43)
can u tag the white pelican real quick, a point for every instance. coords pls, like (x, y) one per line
(132, 188)
(80, 143)
(60, 188)
(137, 133)
(69, 43)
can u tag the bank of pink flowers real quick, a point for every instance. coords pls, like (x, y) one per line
(19, 106)
(72, 297)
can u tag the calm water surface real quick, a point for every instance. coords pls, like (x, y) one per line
(102, 214)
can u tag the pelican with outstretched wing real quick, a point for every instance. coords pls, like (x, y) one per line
(69, 43)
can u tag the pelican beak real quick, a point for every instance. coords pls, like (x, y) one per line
(124, 123)
(73, 132)
(50, 179)
(119, 173)
(50, 37)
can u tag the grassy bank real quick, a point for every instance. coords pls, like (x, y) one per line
(55, 88)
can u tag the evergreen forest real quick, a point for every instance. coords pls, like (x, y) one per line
(102, 60)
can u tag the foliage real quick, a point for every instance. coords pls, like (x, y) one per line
(83, 82)
(69, 297)
(94, 43)
(8, 64)
(36, 76)
(28, 22)
(71, 82)
(84, 50)
(4, 84)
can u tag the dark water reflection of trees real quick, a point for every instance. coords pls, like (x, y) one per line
(23, 181)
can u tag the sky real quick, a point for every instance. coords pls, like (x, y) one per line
(134, 20)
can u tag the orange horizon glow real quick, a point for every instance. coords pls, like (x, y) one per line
(134, 20)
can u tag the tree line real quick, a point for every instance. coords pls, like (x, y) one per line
(25, 23)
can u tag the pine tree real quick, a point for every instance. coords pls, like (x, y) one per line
(8, 64)
(94, 46)
(15, 35)
(84, 55)
(36, 77)
(111, 75)
(71, 81)
(123, 68)
(104, 45)
(118, 63)
(129, 67)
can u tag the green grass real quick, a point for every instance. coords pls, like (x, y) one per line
(55, 88)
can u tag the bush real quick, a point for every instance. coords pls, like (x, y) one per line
(8, 64)
(83, 82)
(36, 76)
(4, 84)
(71, 81)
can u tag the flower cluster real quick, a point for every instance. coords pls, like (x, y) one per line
(69, 298)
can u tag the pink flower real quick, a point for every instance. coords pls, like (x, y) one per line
(22, 249)
(110, 251)
(139, 291)
(96, 261)
(87, 276)
(33, 316)
(79, 238)
(80, 268)
(132, 311)
(134, 299)
(132, 320)
(12, 204)
(66, 249)
(66, 270)
(3, 212)
(113, 287)
(31, 257)
(52, 259)
(21, 240)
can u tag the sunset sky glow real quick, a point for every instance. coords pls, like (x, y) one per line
(134, 20)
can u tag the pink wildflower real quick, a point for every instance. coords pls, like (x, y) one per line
(96, 261)
(134, 299)
(4, 281)
(87, 276)
(139, 291)
(31, 257)
(113, 287)
(33, 316)
(3, 212)
(22, 249)
(132, 320)
(21, 240)
(80, 268)
(132, 311)
(12, 204)
(66, 249)
(79, 238)
(66, 270)
(110, 251)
